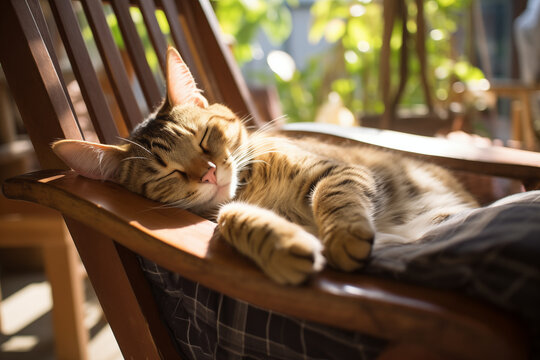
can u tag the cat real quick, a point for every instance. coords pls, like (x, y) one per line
(291, 205)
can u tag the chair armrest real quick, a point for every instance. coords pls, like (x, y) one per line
(185, 243)
(491, 160)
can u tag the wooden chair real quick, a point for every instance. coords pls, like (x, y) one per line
(26, 225)
(109, 224)
(40, 230)
(522, 117)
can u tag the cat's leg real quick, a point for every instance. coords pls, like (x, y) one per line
(283, 250)
(342, 211)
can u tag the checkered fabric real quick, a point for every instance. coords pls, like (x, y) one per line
(491, 253)
(206, 324)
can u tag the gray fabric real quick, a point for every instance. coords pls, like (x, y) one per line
(491, 253)
(208, 325)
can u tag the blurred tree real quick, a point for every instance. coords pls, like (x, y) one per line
(350, 67)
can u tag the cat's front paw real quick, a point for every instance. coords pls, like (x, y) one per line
(292, 259)
(283, 250)
(348, 245)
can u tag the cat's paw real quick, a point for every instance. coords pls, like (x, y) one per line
(283, 250)
(292, 259)
(348, 245)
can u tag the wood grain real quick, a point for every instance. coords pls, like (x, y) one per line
(80, 61)
(137, 53)
(148, 11)
(112, 62)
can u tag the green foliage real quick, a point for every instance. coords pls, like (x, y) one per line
(351, 66)
(242, 19)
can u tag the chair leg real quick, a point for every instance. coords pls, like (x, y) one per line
(529, 135)
(62, 267)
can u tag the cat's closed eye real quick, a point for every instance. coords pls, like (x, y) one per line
(181, 173)
(203, 148)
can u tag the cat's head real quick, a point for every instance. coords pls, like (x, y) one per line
(187, 154)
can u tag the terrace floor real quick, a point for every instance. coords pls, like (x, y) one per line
(26, 320)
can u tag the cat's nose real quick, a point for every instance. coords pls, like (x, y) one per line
(210, 175)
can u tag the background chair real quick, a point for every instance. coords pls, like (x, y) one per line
(109, 224)
(31, 227)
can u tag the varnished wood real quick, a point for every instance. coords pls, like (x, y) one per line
(46, 109)
(185, 45)
(62, 269)
(25, 225)
(112, 62)
(148, 11)
(94, 99)
(134, 330)
(522, 119)
(41, 23)
(230, 83)
(185, 243)
(137, 54)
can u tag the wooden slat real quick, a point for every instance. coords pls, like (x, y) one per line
(185, 243)
(206, 78)
(148, 11)
(112, 62)
(33, 81)
(227, 76)
(46, 36)
(146, 301)
(137, 54)
(185, 47)
(130, 325)
(83, 69)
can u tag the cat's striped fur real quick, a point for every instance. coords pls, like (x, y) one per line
(288, 204)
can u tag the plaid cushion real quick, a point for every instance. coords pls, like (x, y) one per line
(206, 324)
(490, 253)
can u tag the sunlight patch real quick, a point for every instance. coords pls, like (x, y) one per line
(25, 306)
(20, 344)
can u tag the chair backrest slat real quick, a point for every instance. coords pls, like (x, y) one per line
(148, 11)
(41, 23)
(230, 83)
(46, 108)
(84, 72)
(113, 63)
(184, 44)
(137, 54)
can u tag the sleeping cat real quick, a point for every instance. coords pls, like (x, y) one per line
(288, 204)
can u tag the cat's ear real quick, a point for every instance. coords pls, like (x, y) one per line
(181, 86)
(93, 160)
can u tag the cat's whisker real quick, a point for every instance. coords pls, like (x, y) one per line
(136, 144)
(135, 157)
(255, 148)
(245, 120)
(268, 127)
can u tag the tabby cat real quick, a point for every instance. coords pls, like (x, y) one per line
(289, 205)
